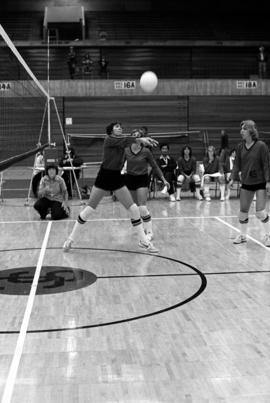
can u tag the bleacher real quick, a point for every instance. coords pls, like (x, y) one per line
(23, 26)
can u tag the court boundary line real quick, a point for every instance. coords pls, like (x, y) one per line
(248, 236)
(122, 219)
(12, 374)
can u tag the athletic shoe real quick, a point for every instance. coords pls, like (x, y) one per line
(149, 236)
(172, 198)
(222, 198)
(178, 199)
(240, 239)
(67, 245)
(208, 198)
(199, 197)
(266, 240)
(164, 190)
(148, 247)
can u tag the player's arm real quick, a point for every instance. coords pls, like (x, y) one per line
(147, 141)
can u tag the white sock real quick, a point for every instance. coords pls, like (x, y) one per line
(146, 218)
(222, 190)
(243, 229)
(207, 190)
(137, 223)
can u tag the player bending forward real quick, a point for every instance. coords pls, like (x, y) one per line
(109, 178)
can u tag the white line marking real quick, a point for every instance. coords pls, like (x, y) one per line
(118, 219)
(248, 236)
(11, 379)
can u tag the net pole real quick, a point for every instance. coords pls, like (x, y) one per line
(67, 149)
(48, 86)
(34, 165)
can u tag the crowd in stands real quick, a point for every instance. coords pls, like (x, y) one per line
(85, 65)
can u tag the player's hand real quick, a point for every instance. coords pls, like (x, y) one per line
(66, 207)
(148, 141)
(167, 185)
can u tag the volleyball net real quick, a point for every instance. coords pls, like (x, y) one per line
(27, 124)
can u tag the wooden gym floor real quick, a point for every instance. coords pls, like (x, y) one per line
(107, 323)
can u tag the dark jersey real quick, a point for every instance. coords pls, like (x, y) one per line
(137, 163)
(114, 150)
(211, 167)
(187, 167)
(253, 163)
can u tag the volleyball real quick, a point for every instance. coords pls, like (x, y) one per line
(148, 81)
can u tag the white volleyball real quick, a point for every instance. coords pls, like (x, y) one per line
(148, 81)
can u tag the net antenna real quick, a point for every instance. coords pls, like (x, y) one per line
(27, 103)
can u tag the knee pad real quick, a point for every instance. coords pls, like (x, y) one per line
(196, 179)
(145, 213)
(262, 216)
(85, 214)
(180, 180)
(243, 217)
(134, 212)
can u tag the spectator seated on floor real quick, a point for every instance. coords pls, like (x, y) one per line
(52, 195)
(167, 164)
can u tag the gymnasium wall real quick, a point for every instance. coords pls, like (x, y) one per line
(203, 106)
(203, 116)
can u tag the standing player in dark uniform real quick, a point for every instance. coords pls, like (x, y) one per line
(109, 178)
(252, 163)
(138, 158)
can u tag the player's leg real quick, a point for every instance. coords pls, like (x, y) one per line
(142, 194)
(206, 187)
(179, 184)
(221, 181)
(262, 215)
(196, 178)
(246, 197)
(124, 196)
(95, 197)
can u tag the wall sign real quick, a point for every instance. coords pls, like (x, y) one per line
(124, 85)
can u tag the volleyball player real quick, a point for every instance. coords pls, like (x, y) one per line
(252, 162)
(109, 178)
(138, 158)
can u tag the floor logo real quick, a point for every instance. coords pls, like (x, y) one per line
(53, 279)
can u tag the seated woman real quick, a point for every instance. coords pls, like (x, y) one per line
(212, 172)
(167, 164)
(52, 194)
(186, 173)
